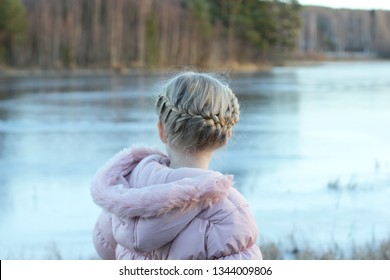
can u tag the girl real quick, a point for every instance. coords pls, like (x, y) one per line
(158, 206)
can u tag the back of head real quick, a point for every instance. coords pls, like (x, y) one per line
(197, 111)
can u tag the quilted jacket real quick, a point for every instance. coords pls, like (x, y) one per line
(151, 211)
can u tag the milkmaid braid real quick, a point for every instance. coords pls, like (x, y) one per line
(197, 111)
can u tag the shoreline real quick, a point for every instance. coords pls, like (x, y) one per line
(234, 68)
(131, 71)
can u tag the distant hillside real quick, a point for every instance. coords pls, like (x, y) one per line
(326, 30)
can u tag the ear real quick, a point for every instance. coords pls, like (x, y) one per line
(161, 132)
(229, 133)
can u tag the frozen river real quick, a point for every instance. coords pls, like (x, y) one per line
(311, 154)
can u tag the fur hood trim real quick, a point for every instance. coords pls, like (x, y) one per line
(111, 191)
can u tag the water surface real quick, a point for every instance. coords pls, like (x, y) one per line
(311, 154)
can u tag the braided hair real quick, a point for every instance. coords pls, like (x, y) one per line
(197, 111)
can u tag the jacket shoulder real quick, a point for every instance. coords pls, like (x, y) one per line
(233, 202)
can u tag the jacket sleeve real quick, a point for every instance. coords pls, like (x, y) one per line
(232, 238)
(103, 238)
(232, 230)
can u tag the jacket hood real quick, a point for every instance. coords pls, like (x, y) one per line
(111, 188)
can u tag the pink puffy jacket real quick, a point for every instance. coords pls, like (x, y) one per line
(151, 211)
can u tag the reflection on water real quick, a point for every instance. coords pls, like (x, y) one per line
(310, 153)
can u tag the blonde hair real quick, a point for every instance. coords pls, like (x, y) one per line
(197, 111)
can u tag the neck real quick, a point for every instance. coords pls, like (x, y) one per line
(194, 160)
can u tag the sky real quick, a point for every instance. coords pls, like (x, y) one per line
(350, 4)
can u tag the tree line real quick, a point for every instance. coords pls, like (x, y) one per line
(344, 30)
(147, 33)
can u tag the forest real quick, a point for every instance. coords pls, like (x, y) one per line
(325, 30)
(63, 34)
